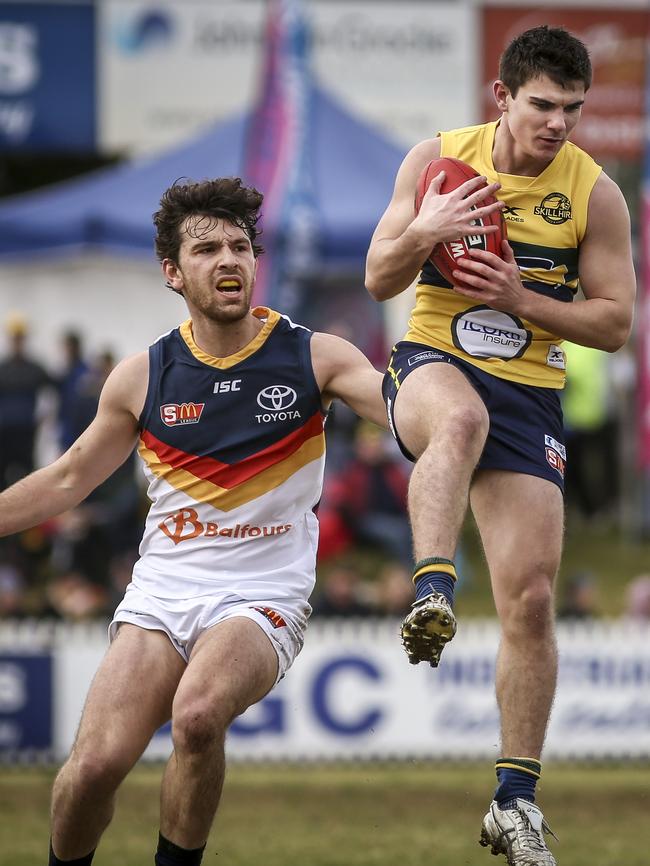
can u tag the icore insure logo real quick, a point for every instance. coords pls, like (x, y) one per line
(275, 398)
(482, 332)
(555, 208)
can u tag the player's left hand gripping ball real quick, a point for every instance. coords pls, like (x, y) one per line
(426, 630)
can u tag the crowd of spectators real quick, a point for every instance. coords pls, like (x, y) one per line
(77, 565)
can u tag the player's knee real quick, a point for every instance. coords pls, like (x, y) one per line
(201, 724)
(529, 613)
(465, 428)
(99, 770)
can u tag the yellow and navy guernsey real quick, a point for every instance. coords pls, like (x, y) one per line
(546, 219)
(234, 452)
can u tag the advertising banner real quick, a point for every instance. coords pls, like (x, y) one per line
(25, 703)
(410, 68)
(613, 117)
(47, 76)
(351, 694)
(354, 696)
(168, 69)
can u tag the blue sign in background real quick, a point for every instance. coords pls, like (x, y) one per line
(47, 77)
(25, 702)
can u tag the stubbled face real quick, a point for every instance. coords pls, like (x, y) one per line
(542, 115)
(215, 270)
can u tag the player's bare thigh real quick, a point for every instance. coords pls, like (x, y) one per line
(521, 522)
(433, 399)
(232, 663)
(131, 694)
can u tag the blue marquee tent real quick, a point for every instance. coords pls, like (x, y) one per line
(353, 170)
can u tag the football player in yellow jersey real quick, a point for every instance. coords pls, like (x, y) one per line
(480, 416)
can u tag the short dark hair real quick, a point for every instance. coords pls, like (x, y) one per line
(544, 50)
(220, 198)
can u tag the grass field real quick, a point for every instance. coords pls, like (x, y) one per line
(363, 815)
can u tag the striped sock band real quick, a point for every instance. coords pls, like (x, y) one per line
(517, 780)
(434, 574)
(526, 765)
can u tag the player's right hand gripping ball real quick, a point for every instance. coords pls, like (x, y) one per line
(444, 255)
(427, 628)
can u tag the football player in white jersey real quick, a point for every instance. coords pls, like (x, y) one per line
(199, 661)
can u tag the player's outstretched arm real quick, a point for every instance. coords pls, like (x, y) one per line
(97, 453)
(344, 372)
(403, 240)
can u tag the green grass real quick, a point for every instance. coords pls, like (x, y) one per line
(353, 815)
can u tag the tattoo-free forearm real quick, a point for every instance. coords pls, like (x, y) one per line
(37, 497)
(599, 323)
(393, 264)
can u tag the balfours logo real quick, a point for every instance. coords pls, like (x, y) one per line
(185, 524)
(181, 413)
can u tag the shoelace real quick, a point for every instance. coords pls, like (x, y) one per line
(527, 835)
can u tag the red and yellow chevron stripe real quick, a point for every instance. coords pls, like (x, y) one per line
(227, 486)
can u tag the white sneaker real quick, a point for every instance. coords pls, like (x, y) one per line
(518, 833)
(428, 627)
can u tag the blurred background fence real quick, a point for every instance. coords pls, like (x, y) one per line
(352, 696)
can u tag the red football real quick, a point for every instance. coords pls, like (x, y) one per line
(444, 255)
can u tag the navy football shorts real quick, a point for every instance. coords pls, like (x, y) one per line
(526, 429)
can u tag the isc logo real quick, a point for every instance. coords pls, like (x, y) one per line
(225, 387)
(181, 413)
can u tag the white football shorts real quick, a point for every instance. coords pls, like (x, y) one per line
(183, 620)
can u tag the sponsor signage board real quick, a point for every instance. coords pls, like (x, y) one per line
(612, 119)
(25, 703)
(168, 69)
(47, 76)
(351, 694)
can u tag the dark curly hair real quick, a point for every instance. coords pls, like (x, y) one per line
(544, 50)
(221, 198)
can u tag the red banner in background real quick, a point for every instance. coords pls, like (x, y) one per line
(612, 123)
